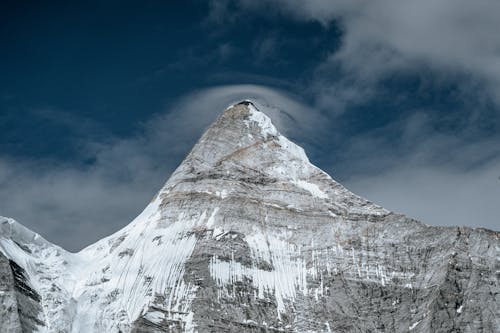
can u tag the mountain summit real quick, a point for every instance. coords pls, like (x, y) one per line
(247, 235)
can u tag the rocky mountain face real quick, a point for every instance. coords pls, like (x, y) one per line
(248, 236)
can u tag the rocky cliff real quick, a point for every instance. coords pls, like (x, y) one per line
(248, 236)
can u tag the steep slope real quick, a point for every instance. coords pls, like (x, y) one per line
(247, 235)
(19, 303)
(39, 276)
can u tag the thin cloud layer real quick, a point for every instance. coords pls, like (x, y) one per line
(437, 195)
(437, 178)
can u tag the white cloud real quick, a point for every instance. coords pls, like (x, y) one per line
(381, 37)
(437, 195)
(436, 177)
(448, 35)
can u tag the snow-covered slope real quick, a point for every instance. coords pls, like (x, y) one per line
(247, 235)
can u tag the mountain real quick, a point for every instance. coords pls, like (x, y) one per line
(248, 236)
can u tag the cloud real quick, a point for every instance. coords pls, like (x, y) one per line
(449, 33)
(384, 37)
(75, 205)
(437, 195)
(448, 37)
(266, 47)
(427, 174)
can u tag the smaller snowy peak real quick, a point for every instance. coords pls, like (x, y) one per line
(49, 270)
(15, 231)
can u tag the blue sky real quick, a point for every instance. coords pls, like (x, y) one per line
(100, 101)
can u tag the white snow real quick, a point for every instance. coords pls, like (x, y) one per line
(288, 274)
(267, 128)
(155, 316)
(109, 284)
(293, 159)
(125, 281)
(43, 262)
(211, 219)
(312, 188)
(412, 326)
(263, 121)
(293, 149)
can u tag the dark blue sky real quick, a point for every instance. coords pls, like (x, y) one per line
(399, 107)
(118, 64)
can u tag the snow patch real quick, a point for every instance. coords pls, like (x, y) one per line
(263, 121)
(131, 282)
(211, 219)
(311, 188)
(155, 316)
(287, 276)
(412, 326)
(293, 149)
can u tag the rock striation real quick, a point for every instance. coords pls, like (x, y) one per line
(248, 236)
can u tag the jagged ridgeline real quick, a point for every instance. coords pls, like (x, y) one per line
(248, 236)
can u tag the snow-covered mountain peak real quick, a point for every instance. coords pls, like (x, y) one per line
(16, 232)
(244, 139)
(241, 163)
(246, 235)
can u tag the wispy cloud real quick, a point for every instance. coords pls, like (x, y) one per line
(437, 195)
(437, 177)
(383, 37)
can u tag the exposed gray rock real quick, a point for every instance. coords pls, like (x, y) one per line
(20, 307)
(248, 236)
